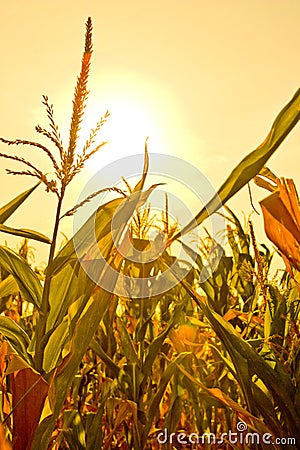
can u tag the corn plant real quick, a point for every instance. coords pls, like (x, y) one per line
(33, 355)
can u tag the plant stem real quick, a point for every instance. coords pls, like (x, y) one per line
(45, 306)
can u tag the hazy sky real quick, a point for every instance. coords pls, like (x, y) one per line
(204, 80)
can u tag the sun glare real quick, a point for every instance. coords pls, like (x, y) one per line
(126, 130)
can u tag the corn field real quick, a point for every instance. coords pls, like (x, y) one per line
(102, 362)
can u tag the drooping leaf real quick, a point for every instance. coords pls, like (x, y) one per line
(16, 336)
(281, 213)
(266, 179)
(68, 285)
(8, 286)
(94, 421)
(251, 165)
(96, 347)
(63, 291)
(53, 350)
(30, 234)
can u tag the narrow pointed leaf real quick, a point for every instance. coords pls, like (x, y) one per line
(139, 186)
(16, 336)
(84, 331)
(155, 345)
(216, 393)
(104, 227)
(276, 381)
(96, 347)
(29, 391)
(252, 164)
(127, 344)
(282, 220)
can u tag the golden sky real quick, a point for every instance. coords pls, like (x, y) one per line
(204, 80)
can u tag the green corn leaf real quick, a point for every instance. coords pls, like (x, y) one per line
(58, 344)
(96, 228)
(171, 369)
(96, 347)
(16, 336)
(222, 397)
(252, 164)
(67, 286)
(97, 232)
(94, 421)
(28, 282)
(8, 286)
(155, 345)
(83, 333)
(242, 237)
(64, 288)
(7, 210)
(55, 344)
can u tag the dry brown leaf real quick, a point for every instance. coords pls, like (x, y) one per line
(282, 220)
